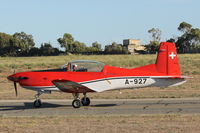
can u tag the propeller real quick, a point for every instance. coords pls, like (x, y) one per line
(16, 78)
(15, 85)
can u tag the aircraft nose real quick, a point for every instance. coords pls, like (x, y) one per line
(16, 78)
(12, 78)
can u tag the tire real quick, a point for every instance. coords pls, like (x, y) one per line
(76, 103)
(85, 101)
(37, 103)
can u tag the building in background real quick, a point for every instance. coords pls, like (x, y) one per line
(134, 46)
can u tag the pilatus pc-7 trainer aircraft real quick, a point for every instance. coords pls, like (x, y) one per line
(84, 76)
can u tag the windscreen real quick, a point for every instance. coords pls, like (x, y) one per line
(86, 66)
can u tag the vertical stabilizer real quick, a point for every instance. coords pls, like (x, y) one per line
(167, 59)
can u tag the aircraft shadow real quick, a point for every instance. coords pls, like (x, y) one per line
(104, 105)
(30, 106)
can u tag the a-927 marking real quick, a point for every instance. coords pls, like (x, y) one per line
(136, 81)
(140, 81)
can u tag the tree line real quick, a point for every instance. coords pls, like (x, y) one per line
(22, 44)
(187, 42)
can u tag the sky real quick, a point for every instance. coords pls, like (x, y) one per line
(104, 21)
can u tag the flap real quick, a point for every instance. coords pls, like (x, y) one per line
(70, 86)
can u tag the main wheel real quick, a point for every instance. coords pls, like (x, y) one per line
(85, 101)
(76, 103)
(37, 103)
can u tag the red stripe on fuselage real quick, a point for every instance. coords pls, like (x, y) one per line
(46, 78)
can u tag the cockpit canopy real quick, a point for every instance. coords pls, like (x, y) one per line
(84, 66)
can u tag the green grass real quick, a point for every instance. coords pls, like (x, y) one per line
(56, 61)
(189, 62)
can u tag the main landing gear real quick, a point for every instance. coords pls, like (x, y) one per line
(76, 103)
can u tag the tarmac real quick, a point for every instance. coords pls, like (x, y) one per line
(102, 107)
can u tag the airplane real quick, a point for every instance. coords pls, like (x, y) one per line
(85, 76)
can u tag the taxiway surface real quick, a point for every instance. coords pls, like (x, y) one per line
(101, 107)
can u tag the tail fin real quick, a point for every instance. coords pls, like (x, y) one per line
(167, 59)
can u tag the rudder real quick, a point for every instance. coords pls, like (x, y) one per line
(167, 59)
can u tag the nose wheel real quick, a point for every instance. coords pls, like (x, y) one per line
(37, 103)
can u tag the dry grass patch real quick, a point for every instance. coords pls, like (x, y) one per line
(93, 124)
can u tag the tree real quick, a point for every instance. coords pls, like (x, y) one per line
(46, 49)
(96, 48)
(115, 48)
(195, 35)
(185, 27)
(153, 46)
(66, 42)
(71, 45)
(9, 46)
(183, 42)
(78, 47)
(96, 45)
(189, 40)
(26, 41)
(172, 40)
(155, 34)
(34, 52)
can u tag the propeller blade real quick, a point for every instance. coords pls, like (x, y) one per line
(15, 85)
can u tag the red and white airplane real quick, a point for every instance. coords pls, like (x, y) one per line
(83, 76)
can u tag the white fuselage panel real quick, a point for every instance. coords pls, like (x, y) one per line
(100, 85)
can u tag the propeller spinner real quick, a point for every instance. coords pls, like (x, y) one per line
(16, 79)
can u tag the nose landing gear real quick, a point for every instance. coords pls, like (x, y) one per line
(37, 103)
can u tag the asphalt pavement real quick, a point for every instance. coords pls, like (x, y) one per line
(101, 107)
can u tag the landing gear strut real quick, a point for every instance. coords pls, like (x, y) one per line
(76, 103)
(37, 103)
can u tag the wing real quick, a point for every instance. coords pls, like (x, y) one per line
(70, 86)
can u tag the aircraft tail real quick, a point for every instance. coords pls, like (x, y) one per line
(167, 59)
